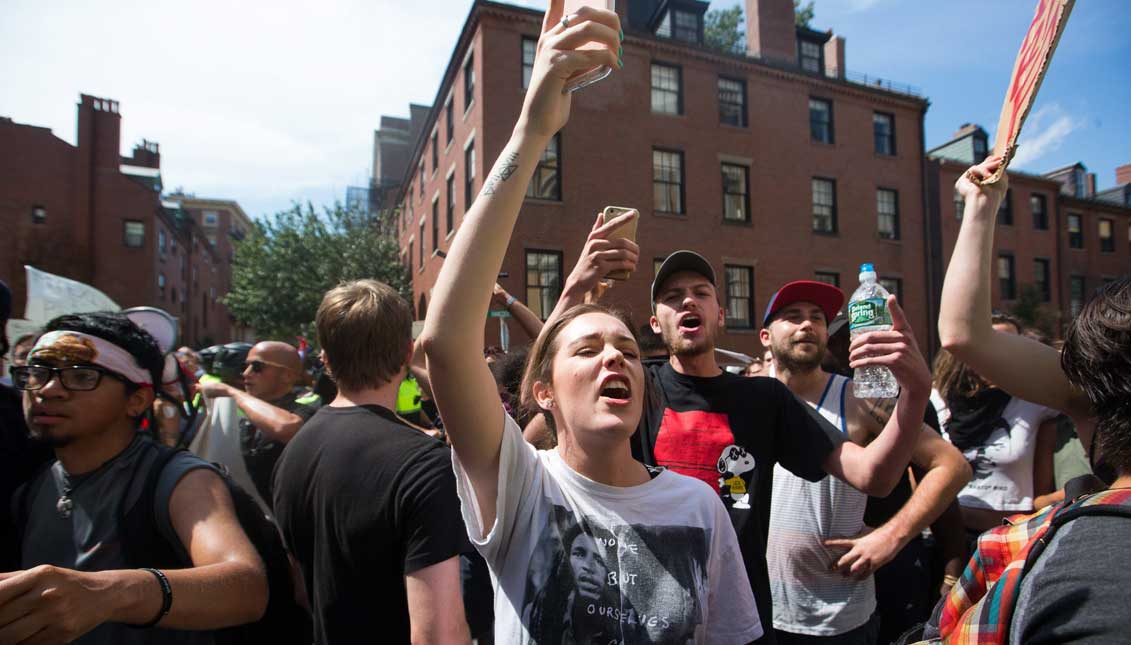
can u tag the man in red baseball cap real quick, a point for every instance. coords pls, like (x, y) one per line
(823, 587)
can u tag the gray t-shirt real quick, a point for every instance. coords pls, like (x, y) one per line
(1074, 594)
(89, 539)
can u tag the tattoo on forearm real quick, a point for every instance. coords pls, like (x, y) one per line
(501, 174)
(881, 409)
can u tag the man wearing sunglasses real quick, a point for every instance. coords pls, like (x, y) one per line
(88, 381)
(272, 408)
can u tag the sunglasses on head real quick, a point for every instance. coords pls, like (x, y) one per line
(77, 378)
(258, 365)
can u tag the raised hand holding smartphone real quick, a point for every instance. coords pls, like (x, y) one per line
(587, 78)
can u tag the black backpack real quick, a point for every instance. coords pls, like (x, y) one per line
(143, 545)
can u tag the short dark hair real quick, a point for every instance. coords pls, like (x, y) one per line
(120, 330)
(1097, 360)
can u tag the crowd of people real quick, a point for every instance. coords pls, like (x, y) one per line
(607, 484)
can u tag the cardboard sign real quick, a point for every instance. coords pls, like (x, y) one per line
(1028, 72)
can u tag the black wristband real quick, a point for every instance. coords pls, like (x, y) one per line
(166, 597)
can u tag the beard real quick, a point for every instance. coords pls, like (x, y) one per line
(48, 438)
(796, 362)
(688, 347)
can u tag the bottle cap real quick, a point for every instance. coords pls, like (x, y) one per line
(867, 268)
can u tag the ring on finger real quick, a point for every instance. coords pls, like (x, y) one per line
(565, 22)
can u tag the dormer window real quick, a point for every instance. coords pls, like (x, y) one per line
(681, 24)
(980, 148)
(811, 56)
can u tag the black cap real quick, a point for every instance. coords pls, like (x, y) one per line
(681, 261)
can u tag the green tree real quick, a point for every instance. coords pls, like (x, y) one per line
(802, 13)
(285, 264)
(722, 29)
(1028, 309)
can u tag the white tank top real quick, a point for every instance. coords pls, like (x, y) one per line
(808, 598)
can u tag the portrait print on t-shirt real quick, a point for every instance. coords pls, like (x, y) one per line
(615, 584)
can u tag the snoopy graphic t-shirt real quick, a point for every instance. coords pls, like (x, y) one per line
(728, 431)
(576, 561)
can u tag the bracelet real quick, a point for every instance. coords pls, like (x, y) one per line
(949, 580)
(511, 300)
(166, 597)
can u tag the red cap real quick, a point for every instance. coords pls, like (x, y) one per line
(829, 298)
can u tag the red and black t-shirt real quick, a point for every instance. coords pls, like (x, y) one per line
(729, 431)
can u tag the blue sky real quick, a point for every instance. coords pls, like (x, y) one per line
(274, 102)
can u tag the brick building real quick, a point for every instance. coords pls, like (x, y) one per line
(85, 212)
(1055, 233)
(777, 165)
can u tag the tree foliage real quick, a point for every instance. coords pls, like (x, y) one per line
(285, 264)
(1029, 310)
(802, 13)
(722, 29)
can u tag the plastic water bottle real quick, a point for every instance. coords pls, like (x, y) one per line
(868, 311)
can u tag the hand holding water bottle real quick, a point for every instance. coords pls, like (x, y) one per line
(895, 349)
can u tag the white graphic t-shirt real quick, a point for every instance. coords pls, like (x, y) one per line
(575, 561)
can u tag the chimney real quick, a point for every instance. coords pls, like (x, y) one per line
(146, 154)
(1091, 185)
(771, 32)
(834, 57)
(1123, 174)
(99, 131)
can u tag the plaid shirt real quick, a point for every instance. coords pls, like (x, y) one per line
(979, 609)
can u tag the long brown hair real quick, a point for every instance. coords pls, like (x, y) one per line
(955, 379)
(540, 362)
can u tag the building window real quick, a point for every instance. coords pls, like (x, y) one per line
(422, 180)
(811, 56)
(736, 195)
(469, 82)
(134, 234)
(161, 285)
(1005, 211)
(656, 264)
(1041, 278)
(740, 298)
(468, 176)
(667, 181)
(547, 181)
(450, 126)
(959, 205)
(887, 213)
(1107, 236)
(435, 151)
(1078, 180)
(821, 120)
(38, 215)
(529, 50)
(435, 224)
(1005, 277)
(824, 205)
(411, 244)
(161, 241)
(1075, 232)
(894, 286)
(980, 148)
(423, 251)
(1076, 291)
(732, 102)
(685, 26)
(211, 218)
(450, 213)
(543, 281)
(666, 93)
(883, 131)
(1040, 210)
(828, 277)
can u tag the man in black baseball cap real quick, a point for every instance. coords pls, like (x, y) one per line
(728, 430)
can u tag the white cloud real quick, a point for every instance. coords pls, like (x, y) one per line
(262, 101)
(1044, 132)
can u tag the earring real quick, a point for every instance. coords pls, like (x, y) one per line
(550, 404)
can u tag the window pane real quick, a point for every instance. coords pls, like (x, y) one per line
(1041, 278)
(1005, 276)
(884, 131)
(732, 102)
(468, 177)
(1040, 213)
(810, 56)
(665, 89)
(529, 47)
(887, 214)
(546, 183)
(735, 196)
(1005, 211)
(824, 206)
(543, 279)
(828, 277)
(1076, 294)
(821, 120)
(667, 179)
(685, 26)
(134, 234)
(1107, 236)
(739, 296)
(1075, 232)
(894, 286)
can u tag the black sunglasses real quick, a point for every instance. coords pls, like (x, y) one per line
(77, 378)
(258, 365)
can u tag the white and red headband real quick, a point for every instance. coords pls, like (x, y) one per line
(80, 348)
